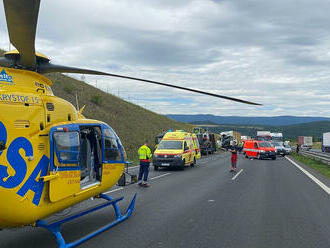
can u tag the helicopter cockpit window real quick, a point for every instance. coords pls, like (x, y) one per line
(111, 146)
(67, 147)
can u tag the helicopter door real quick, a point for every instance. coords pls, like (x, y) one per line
(91, 155)
(65, 158)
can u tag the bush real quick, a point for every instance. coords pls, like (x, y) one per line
(69, 89)
(97, 99)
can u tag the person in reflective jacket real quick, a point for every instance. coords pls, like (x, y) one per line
(144, 157)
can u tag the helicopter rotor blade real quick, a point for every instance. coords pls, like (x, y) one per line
(22, 17)
(47, 68)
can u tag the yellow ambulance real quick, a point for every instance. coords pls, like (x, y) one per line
(177, 149)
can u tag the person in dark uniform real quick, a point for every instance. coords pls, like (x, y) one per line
(233, 149)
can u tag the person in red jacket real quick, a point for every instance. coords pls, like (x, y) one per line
(233, 150)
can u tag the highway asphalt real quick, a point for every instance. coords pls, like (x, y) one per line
(268, 204)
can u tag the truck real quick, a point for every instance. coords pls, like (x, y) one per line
(264, 135)
(244, 137)
(305, 142)
(206, 139)
(326, 142)
(277, 136)
(228, 137)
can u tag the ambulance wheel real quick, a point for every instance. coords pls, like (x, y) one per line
(156, 168)
(183, 165)
(273, 158)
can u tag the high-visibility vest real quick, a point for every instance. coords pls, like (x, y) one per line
(144, 153)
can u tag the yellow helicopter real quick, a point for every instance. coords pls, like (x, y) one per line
(51, 156)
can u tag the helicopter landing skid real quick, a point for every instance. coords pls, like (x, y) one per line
(55, 228)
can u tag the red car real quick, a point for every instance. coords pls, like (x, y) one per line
(259, 149)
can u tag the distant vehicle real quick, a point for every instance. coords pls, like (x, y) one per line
(177, 149)
(244, 137)
(287, 149)
(287, 143)
(159, 137)
(277, 136)
(305, 148)
(264, 135)
(305, 142)
(326, 142)
(206, 140)
(280, 149)
(228, 137)
(259, 149)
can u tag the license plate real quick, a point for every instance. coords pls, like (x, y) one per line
(165, 164)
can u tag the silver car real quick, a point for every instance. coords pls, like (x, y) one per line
(280, 150)
(288, 149)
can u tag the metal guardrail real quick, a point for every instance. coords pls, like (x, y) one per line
(321, 156)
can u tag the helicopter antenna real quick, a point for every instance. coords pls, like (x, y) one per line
(77, 102)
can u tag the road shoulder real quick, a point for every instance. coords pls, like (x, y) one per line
(325, 180)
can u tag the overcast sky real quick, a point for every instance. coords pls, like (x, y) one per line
(273, 52)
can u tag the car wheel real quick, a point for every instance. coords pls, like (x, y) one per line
(274, 158)
(156, 168)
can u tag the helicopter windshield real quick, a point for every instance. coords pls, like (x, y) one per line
(170, 145)
(111, 146)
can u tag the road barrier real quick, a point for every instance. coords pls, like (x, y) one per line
(321, 156)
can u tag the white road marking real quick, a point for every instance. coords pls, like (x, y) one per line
(237, 174)
(114, 190)
(163, 175)
(317, 181)
(133, 167)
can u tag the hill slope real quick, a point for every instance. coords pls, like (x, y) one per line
(132, 123)
(240, 120)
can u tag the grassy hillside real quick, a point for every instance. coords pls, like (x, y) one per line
(132, 123)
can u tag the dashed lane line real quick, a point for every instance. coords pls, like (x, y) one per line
(163, 175)
(121, 188)
(237, 174)
(114, 190)
(317, 181)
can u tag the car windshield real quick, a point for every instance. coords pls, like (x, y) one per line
(170, 145)
(277, 144)
(264, 144)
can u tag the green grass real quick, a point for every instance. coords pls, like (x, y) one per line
(322, 168)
